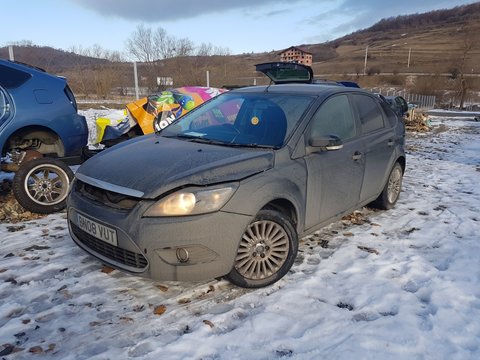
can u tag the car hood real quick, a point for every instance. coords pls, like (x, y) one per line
(153, 165)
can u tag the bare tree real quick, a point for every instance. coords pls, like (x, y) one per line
(97, 51)
(21, 43)
(113, 56)
(141, 44)
(205, 49)
(149, 45)
(222, 51)
(163, 44)
(104, 78)
(463, 84)
(184, 47)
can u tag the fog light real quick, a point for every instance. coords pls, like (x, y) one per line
(182, 255)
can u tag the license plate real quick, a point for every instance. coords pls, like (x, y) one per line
(98, 230)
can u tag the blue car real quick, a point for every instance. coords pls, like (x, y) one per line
(41, 133)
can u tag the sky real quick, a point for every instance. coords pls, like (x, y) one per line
(241, 26)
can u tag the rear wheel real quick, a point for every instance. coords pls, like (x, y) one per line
(266, 252)
(391, 192)
(41, 185)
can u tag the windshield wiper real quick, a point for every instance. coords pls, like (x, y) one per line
(200, 139)
(254, 145)
(203, 140)
(182, 136)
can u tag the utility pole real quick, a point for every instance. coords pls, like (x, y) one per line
(365, 64)
(10, 53)
(409, 54)
(135, 75)
(208, 78)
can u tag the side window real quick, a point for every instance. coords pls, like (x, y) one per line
(390, 114)
(370, 114)
(4, 107)
(12, 78)
(334, 117)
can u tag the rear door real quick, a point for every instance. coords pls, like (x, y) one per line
(379, 144)
(334, 177)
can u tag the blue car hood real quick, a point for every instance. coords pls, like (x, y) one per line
(154, 165)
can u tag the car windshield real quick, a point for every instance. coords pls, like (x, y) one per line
(243, 119)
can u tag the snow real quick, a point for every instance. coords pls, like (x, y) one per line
(397, 284)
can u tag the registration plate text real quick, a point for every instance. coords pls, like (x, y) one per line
(98, 230)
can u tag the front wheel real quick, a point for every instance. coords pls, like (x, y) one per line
(391, 192)
(41, 185)
(266, 252)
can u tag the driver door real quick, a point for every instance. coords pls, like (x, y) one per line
(334, 177)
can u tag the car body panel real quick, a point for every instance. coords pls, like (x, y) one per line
(338, 172)
(179, 162)
(39, 103)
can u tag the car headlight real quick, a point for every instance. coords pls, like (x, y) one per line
(191, 202)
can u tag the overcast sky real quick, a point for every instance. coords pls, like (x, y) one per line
(241, 25)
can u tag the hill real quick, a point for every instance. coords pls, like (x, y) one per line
(48, 58)
(435, 40)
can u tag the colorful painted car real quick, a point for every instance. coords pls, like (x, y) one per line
(154, 112)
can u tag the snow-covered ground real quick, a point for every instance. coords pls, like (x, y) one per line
(399, 284)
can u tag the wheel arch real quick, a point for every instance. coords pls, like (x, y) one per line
(285, 207)
(50, 140)
(403, 162)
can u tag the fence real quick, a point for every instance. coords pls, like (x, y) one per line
(424, 102)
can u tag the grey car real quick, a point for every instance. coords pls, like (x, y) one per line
(228, 189)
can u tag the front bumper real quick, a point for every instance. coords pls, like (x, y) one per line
(150, 247)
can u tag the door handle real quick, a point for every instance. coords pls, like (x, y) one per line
(357, 155)
(390, 142)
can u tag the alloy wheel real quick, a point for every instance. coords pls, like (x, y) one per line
(263, 250)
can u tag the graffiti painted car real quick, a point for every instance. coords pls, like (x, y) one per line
(151, 113)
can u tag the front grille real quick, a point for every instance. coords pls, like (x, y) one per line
(114, 253)
(105, 197)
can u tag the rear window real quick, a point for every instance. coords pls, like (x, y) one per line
(12, 78)
(281, 72)
(70, 96)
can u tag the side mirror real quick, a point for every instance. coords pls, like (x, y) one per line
(331, 143)
(403, 105)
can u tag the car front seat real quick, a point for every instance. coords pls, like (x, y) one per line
(267, 126)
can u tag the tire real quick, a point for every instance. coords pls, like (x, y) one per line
(41, 185)
(391, 192)
(266, 251)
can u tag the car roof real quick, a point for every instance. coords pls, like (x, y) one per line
(22, 66)
(13, 68)
(304, 89)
